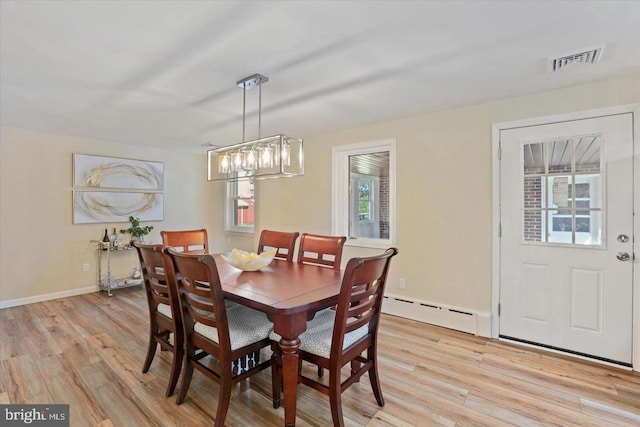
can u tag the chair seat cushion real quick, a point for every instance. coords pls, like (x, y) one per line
(319, 334)
(165, 309)
(246, 326)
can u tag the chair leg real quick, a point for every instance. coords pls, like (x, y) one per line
(375, 380)
(151, 351)
(176, 364)
(276, 379)
(335, 398)
(186, 380)
(224, 399)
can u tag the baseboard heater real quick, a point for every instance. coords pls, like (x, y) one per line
(435, 314)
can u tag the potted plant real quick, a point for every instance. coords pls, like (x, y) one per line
(136, 230)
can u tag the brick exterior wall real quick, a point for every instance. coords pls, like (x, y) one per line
(384, 207)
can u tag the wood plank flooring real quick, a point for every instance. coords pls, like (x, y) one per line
(88, 350)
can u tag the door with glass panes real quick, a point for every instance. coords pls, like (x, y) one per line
(566, 272)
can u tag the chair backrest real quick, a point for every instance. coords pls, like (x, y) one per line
(361, 295)
(158, 289)
(200, 293)
(186, 240)
(284, 242)
(321, 250)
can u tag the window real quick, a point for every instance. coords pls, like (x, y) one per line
(240, 205)
(562, 183)
(363, 192)
(364, 189)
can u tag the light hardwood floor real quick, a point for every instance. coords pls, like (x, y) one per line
(88, 350)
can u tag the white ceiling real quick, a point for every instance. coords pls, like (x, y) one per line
(164, 73)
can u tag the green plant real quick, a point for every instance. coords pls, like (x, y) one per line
(136, 230)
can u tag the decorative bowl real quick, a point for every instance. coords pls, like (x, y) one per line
(249, 261)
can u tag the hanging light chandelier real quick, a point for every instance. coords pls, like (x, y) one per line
(271, 157)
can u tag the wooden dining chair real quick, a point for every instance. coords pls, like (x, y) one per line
(284, 242)
(187, 240)
(335, 338)
(321, 250)
(165, 317)
(211, 329)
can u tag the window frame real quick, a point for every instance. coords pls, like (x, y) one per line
(340, 191)
(231, 194)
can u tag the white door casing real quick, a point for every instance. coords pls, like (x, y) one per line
(562, 285)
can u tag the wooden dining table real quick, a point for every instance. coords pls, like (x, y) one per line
(290, 294)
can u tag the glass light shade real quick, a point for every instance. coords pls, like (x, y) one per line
(285, 153)
(249, 159)
(236, 161)
(223, 163)
(266, 156)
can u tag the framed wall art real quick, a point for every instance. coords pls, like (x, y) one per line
(117, 173)
(116, 206)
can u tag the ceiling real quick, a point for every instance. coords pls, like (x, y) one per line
(164, 73)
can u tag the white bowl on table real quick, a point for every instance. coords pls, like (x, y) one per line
(249, 261)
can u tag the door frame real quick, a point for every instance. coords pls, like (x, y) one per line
(634, 109)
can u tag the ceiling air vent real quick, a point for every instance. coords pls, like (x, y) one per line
(590, 55)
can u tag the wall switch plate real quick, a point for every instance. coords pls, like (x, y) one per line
(85, 266)
(402, 284)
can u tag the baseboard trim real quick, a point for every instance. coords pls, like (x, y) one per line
(47, 297)
(459, 319)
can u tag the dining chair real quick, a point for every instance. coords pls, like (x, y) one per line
(212, 329)
(187, 240)
(321, 250)
(284, 242)
(165, 317)
(335, 338)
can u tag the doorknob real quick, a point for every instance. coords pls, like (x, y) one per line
(622, 256)
(623, 238)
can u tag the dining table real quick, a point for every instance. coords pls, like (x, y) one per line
(290, 294)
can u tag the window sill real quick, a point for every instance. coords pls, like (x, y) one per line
(369, 243)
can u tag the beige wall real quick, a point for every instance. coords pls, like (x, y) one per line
(41, 251)
(444, 194)
(444, 189)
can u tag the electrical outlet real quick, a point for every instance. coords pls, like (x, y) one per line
(402, 284)
(85, 266)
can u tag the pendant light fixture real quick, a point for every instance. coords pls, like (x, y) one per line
(271, 157)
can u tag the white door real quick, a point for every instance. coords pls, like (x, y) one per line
(566, 212)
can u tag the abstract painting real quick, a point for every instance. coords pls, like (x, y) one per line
(110, 189)
(115, 206)
(116, 173)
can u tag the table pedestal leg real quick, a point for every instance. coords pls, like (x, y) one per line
(289, 354)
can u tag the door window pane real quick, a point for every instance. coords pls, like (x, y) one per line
(588, 154)
(533, 158)
(559, 191)
(588, 227)
(533, 225)
(560, 156)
